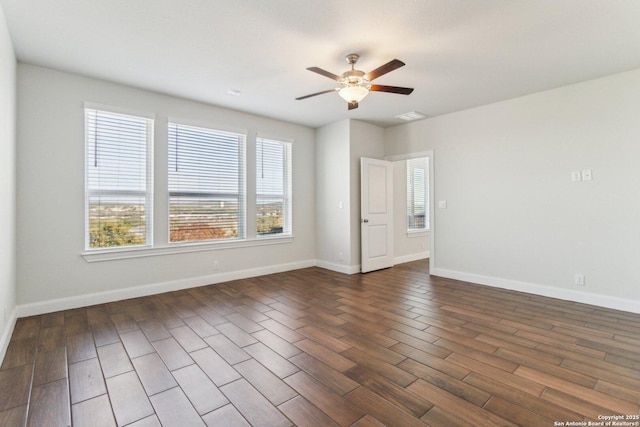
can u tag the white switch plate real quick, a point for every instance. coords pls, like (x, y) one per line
(442, 204)
(586, 175)
(576, 176)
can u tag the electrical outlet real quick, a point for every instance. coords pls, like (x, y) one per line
(216, 265)
(576, 176)
(579, 279)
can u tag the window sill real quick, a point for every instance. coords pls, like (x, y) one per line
(418, 233)
(178, 248)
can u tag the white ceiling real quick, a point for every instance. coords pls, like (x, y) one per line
(459, 53)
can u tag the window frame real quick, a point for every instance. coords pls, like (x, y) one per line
(287, 188)
(158, 139)
(411, 191)
(148, 193)
(242, 185)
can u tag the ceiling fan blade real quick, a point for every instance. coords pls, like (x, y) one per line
(352, 105)
(325, 73)
(317, 93)
(391, 89)
(384, 69)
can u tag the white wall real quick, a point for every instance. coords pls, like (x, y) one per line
(339, 147)
(514, 217)
(333, 196)
(406, 247)
(7, 185)
(50, 208)
(366, 141)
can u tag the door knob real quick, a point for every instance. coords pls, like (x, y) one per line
(365, 220)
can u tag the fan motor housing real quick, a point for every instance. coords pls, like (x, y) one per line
(354, 77)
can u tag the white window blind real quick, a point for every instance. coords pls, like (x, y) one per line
(417, 194)
(118, 195)
(206, 184)
(273, 187)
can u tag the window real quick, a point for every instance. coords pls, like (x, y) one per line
(273, 187)
(118, 182)
(417, 197)
(206, 184)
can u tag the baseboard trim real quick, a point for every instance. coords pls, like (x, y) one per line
(411, 257)
(339, 268)
(50, 306)
(632, 306)
(59, 304)
(6, 334)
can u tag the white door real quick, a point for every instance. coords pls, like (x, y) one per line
(376, 214)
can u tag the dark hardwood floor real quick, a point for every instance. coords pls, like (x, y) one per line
(317, 348)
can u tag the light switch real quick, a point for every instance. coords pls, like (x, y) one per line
(442, 204)
(340, 205)
(586, 175)
(576, 176)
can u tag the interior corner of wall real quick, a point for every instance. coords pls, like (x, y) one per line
(6, 335)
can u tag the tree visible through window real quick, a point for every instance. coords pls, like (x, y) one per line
(118, 195)
(417, 194)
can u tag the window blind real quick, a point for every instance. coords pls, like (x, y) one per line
(273, 187)
(206, 184)
(417, 197)
(118, 179)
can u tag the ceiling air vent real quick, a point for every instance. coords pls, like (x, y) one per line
(411, 116)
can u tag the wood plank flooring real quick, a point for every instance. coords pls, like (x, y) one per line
(316, 348)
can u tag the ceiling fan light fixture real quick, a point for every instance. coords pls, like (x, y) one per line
(353, 93)
(356, 84)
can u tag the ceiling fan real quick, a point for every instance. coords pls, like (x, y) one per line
(356, 84)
